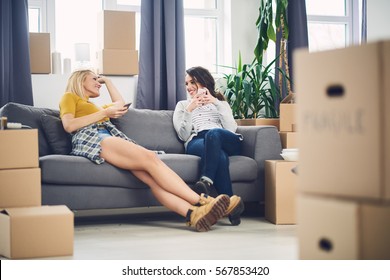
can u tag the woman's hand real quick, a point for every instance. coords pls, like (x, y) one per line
(196, 101)
(116, 110)
(207, 97)
(102, 79)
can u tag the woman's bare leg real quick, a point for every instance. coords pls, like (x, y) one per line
(157, 174)
(169, 200)
(165, 184)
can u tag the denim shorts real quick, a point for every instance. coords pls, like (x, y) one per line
(103, 133)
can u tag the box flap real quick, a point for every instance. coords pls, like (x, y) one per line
(32, 232)
(36, 211)
(290, 98)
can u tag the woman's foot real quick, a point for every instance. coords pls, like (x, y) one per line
(204, 216)
(202, 186)
(233, 212)
(235, 209)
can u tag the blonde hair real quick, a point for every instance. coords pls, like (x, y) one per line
(76, 80)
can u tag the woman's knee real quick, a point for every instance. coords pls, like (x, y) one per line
(214, 135)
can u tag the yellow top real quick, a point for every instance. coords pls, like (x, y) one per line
(73, 104)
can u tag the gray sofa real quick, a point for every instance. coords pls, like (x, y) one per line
(82, 185)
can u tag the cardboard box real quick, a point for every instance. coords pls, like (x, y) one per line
(280, 191)
(289, 139)
(287, 113)
(40, 62)
(20, 187)
(116, 30)
(342, 229)
(118, 62)
(18, 148)
(32, 232)
(260, 121)
(344, 121)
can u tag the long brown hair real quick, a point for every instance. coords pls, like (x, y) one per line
(203, 76)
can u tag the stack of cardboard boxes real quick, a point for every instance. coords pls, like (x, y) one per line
(28, 229)
(280, 181)
(343, 98)
(117, 54)
(288, 125)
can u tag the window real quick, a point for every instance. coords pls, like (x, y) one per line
(70, 19)
(333, 23)
(76, 26)
(202, 29)
(201, 33)
(37, 15)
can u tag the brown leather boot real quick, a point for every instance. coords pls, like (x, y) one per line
(234, 211)
(204, 216)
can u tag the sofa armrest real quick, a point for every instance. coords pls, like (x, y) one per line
(260, 143)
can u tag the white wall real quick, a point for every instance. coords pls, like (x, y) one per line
(244, 32)
(378, 20)
(48, 89)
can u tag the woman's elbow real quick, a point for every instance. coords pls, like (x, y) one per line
(68, 127)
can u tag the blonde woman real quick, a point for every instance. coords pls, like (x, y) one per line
(96, 138)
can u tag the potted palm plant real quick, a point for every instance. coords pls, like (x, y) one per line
(252, 93)
(251, 89)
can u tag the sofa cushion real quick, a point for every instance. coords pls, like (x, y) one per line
(242, 169)
(75, 170)
(153, 129)
(59, 140)
(31, 116)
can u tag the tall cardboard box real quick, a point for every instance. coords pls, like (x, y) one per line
(116, 30)
(331, 228)
(32, 232)
(343, 99)
(280, 191)
(20, 187)
(118, 62)
(40, 62)
(18, 148)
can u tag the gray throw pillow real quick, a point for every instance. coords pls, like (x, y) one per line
(60, 141)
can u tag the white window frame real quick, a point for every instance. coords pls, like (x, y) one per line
(351, 21)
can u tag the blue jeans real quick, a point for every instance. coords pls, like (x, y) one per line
(214, 146)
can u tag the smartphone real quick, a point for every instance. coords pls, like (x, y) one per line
(127, 105)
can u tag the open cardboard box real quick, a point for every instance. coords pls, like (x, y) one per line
(32, 232)
(287, 111)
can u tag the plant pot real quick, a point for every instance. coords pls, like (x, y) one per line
(260, 121)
